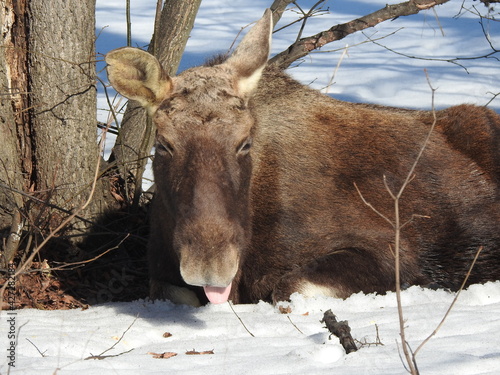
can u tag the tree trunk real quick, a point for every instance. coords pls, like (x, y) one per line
(63, 101)
(49, 152)
(13, 98)
(136, 136)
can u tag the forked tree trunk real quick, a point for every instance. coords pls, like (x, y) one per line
(136, 136)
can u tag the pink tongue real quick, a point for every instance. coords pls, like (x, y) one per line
(217, 294)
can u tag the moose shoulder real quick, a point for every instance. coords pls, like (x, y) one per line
(259, 184)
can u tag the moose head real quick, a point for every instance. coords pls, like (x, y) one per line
(203, 161)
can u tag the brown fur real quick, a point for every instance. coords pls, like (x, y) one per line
(256, 185)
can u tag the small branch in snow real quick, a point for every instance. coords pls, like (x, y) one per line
(365, 342)
(293, 324)
(195, 352)
(341, 330)
(241, 321)
(102, 356)
(42, 354)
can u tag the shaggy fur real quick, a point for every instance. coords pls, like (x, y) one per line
(256, 184)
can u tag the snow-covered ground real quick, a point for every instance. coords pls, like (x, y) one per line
(296, 343)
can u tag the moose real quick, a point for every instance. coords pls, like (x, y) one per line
(266, 187)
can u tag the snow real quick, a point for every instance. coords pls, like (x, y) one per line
(296, 343)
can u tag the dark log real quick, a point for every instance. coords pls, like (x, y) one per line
(341, 330)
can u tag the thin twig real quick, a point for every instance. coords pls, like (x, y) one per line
(396, 224)
(313, 12)
(102, 356)
(241, 321)
(129, 23)
(330, 82)
(306, 16)
(65, 266)
(452, 303)
(372, 207)
(494, 96)
(365, 342)
(66, 221)
(293, 324)
(410, 176)
(410, 357)
(438, 21)
(452, 60)
(38, 350)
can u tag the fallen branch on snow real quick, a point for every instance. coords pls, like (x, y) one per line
(341, 330)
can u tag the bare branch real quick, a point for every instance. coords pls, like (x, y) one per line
(409, 355)
(397, 225)
(278, 7)
(373, 208)
(411, 173)
(452, 303)
(241, 321)
(306, 16)
(293, 324)
(453, 60)
(315, 10)
(36, 347)
(102, 356)
(306, 45)
(413, 217)
(494, 96)
(365, 342)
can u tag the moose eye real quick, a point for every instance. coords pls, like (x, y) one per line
(164, 147)
(245, 146)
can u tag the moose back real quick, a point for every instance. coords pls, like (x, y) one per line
(265, 187)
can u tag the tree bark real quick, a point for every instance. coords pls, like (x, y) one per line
(63, 103)
(49, 152)
(9, 161)
(278, 8)
(136, 137)
(15, 153)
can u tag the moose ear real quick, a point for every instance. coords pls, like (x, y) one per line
(250, 57)
(138, 75)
